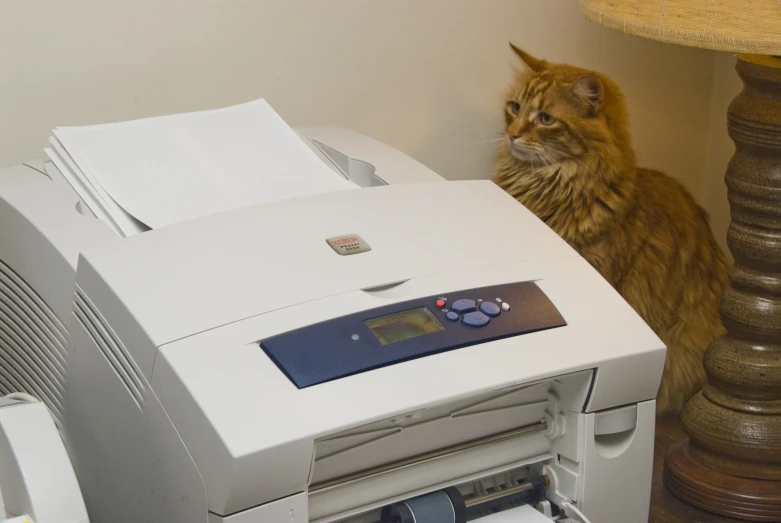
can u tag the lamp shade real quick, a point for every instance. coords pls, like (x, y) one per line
(741, 26)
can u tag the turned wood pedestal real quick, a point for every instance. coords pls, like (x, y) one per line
(731, 462)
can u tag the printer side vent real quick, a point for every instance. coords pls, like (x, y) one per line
(109, 344)
(32, 344)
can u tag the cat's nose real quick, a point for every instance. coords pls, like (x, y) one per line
(512, 136)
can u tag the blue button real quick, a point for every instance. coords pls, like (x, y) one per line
(476, 319)
(490, 308)
(462, 306)
(452, 316)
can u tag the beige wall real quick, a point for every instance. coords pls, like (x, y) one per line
(426, 76)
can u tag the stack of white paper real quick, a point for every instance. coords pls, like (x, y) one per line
(154, 172)
(523, 514)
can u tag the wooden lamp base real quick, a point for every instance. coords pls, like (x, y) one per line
(731, 462)
(719, 493)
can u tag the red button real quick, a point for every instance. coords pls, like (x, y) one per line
(440, 303)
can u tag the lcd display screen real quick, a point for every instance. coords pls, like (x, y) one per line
(404, 325)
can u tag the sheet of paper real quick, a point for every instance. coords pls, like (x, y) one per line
(93, 195)
(52, 172)
(82, 191)
(524, 514)
(169, 169)
(88, 201)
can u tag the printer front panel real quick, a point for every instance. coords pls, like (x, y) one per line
(592, 467)
(222, 390)
(480, 435)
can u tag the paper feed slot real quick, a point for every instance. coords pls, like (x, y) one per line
(518, 495)
(429, 458)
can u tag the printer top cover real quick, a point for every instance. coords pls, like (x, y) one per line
(239, 264)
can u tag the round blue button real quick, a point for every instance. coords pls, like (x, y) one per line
(463, 306)
(490, 308)
(451, 316)
(476, 319)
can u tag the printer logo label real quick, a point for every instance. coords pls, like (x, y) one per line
(348, 244)
(348, 239)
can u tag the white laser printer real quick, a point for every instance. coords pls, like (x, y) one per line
(414, 350)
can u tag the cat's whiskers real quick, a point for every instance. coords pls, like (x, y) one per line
(533, 157)
(567, 155)
(543, 162)
(541, 156)
(549, 160)
(497, 135)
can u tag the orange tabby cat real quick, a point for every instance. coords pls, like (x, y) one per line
(568, 158)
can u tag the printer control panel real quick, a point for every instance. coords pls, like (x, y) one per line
(408, 330)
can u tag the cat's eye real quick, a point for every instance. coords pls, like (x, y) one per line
(545, 118)
(515, 107)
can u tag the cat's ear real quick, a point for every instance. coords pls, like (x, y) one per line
(591, 89)
(532, 63)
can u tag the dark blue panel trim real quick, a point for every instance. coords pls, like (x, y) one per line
(344, 346)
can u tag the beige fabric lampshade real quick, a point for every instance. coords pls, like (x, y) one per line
(742, 26)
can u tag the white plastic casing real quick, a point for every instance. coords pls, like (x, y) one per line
(163, 359)
(36, 477)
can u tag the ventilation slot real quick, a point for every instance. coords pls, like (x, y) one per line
(109, 344)
(32, 344)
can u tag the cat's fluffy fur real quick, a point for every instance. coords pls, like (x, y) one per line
(574, 167)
